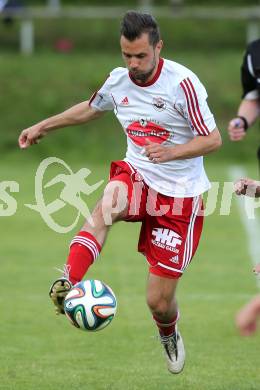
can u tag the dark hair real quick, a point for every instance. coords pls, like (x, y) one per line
(134, 24)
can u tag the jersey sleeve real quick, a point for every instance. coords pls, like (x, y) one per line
(192, 101)
(248, 79)
(102, 100)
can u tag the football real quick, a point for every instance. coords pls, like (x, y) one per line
(90, 305)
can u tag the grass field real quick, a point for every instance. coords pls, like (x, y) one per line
(44, 352)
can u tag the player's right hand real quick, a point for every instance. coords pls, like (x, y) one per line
(236, 129)
(30, 136)
(248, 187)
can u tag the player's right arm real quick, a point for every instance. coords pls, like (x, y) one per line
(76, 115)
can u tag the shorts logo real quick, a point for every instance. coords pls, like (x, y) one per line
(159, 104)
(175, 259)
(166, 239)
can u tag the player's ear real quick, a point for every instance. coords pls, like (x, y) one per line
(159, 45)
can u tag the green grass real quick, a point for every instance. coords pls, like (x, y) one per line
(44, 352)
(39, 350)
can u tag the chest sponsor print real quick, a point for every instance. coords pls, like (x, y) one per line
(141, 130)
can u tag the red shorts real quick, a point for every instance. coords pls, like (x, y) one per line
(171, 227)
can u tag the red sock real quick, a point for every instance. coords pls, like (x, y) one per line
(84, 249)
(166, 328)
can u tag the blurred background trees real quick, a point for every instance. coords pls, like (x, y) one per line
(72, 57)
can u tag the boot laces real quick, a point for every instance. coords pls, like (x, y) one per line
(65, 271)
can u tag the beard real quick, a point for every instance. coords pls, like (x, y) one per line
(142, 77)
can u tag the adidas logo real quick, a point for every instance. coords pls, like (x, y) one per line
(175, 259)
(125, 101)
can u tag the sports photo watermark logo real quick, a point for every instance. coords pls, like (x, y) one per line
(74, 185)
(71, 188)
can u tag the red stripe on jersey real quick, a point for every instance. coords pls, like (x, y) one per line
(190, 106)
(194, 109)
(197, 107)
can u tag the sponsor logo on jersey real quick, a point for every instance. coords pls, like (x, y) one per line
(167, 239)
(143, 129)
(143, 122)
(159, 104)
(125, 101)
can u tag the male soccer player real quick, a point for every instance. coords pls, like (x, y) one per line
(248, 112)
(162, 108)
(249, 108)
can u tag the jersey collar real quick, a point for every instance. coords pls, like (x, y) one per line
(155, 77)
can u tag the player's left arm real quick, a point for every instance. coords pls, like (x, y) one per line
(198, 146)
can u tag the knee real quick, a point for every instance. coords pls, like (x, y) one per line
(107, 205)
(158, 305)
(114, 203)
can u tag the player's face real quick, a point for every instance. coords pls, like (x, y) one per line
(141, 57)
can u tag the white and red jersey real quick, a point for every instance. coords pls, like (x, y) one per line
(171, 109)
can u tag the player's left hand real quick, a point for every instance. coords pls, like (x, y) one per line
(157, 153)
